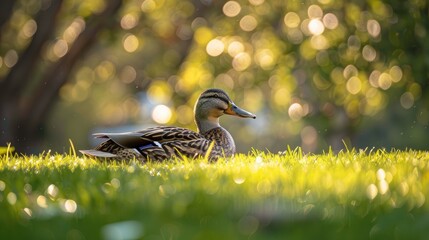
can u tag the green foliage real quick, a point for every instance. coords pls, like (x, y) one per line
(316, 72)
(353, 194)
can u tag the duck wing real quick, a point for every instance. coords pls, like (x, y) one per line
(154, 136)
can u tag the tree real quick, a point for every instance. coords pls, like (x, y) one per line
(315, 72)
(27, 92)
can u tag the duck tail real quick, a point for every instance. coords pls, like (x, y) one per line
(96, 153)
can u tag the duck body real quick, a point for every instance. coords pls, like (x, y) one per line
(164, 142)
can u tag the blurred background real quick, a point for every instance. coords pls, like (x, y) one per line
(317, 74)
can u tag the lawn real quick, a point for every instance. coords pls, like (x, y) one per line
(354, 194)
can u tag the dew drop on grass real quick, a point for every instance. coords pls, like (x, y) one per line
(371, 191)
(11, 198)
(27, 212)
(381, 174)
(52, 190)
(41, 201)
(383, 187)
(115, 183)
(239, 180)
(70, 206)
(2, 185)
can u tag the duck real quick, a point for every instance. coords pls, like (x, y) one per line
(162, 143)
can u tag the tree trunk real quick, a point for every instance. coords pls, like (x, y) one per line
(23, 111)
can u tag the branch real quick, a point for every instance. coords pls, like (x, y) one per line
(6, 11)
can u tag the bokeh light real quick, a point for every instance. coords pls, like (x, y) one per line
(131, 43)
(129, 21)
(314, 11)
(161, 114)
(407, 100)
(231, 8)
(330, 21)
(296, 111)
(235, 48)
(248, 23)
(60, 48)
(148, 5)
(74, 30)
(354, 85)
(369, 53)
(385, 81)
(300, 65)
(373, 28)
(241, 61)
(316, 27)
(70, 206)
(396, 73)
(292, 20)
(215, 47)
(128, 74)
(29, 28)
(11, 58)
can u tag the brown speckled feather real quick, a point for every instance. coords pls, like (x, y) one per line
(170, 143)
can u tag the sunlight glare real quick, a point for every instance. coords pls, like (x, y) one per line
(316, 27)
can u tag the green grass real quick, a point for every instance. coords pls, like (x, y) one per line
(350, 195)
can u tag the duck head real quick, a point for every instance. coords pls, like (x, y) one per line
(212, 104)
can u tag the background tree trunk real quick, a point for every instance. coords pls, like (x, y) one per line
(25, 100)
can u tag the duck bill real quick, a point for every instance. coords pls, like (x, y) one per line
(236, 111)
